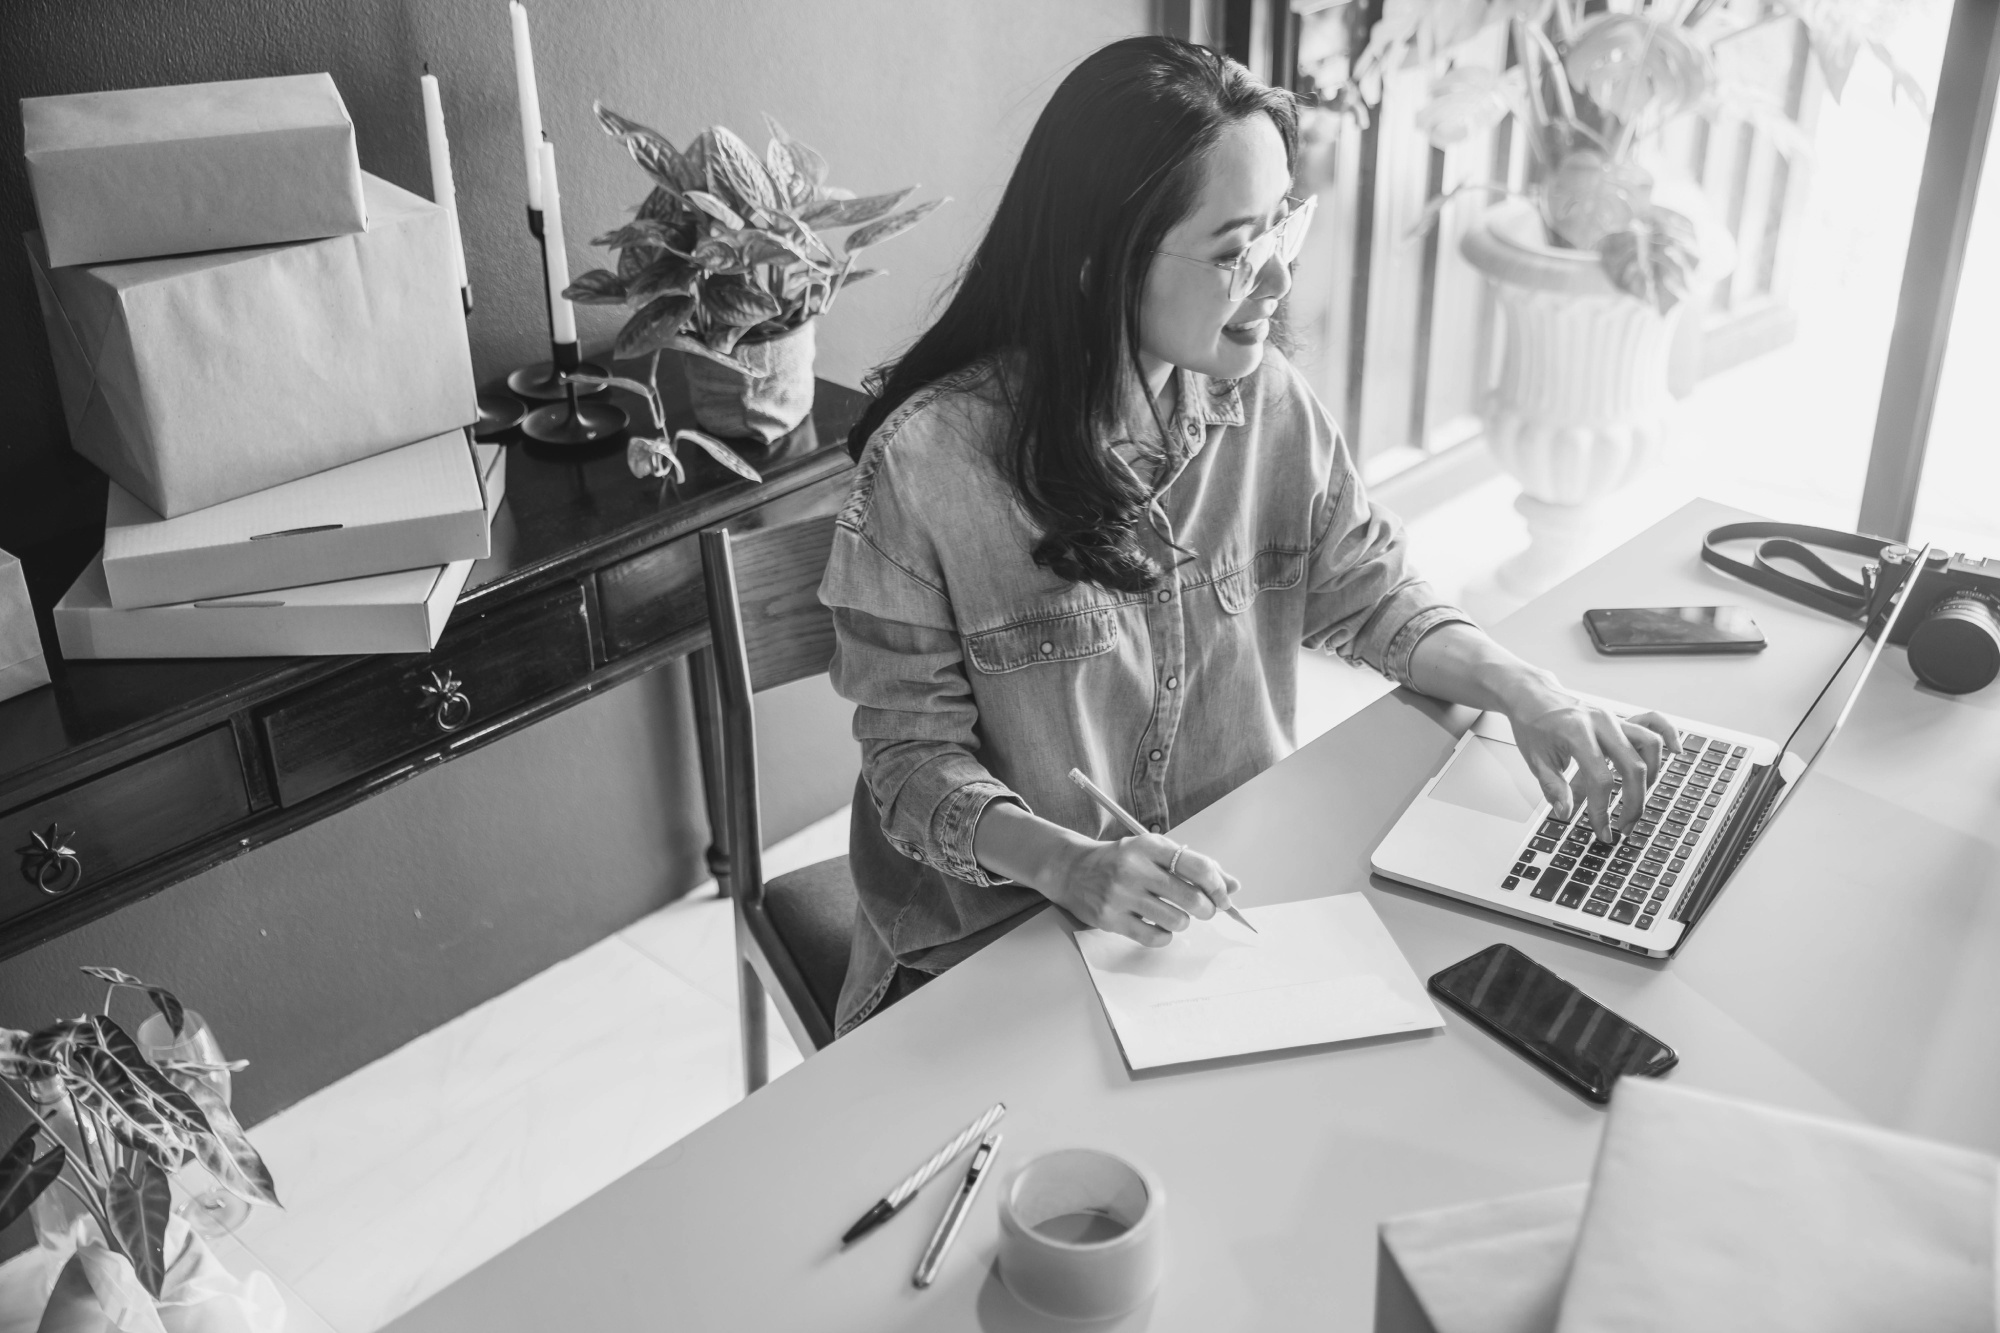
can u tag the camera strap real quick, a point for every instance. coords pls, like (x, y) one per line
(1827, 590)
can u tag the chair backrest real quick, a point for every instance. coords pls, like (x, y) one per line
(768, 629)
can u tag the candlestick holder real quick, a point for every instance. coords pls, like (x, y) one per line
(498, 414)
(573, 421)
(542, 381)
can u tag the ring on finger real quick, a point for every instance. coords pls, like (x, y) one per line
(1173, 865)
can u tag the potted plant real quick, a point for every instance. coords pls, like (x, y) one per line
(107, 1127)
(1596, 263)
(726, 263)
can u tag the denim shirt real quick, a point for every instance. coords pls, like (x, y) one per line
(978, 675)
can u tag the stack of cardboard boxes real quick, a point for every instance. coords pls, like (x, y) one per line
(264, 348)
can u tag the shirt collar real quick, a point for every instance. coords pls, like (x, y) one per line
(1210, 402)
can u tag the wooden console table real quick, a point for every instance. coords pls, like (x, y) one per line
(150, 772)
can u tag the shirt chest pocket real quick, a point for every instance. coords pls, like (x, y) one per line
(1065, 638)
(1270, 569)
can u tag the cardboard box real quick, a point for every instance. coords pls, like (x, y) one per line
(22, 666)
(203, 166)
(384, 613)
(1713, 1215)
(1492, 1267)
(201, 378)
(412, 507)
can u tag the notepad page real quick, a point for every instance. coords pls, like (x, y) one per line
(1321, 970)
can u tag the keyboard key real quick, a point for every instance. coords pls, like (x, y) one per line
(1660, 894)
(1549, 885)
(1531, 872)
(1667, 882)
(1689, 839)
(1644, 923)
(1541, 844)
(1734, 760)
(1592, 863)
(1611, 882)
(1510, 881)
(1519, 866)
(1596, 908)
(1692, 742)
(1712, 802)
(1563, 862)
(1650, 910)
(1644, 880)
(1624, 912)
(1573, 895)
(1738, 751)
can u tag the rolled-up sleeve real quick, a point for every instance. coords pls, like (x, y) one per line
(1365, 601)
(898, 659)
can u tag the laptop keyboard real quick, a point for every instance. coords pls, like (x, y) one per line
(1629, 879)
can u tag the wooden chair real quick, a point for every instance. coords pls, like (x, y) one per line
(769, 629)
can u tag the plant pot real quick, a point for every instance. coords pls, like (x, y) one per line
(1581, 405)
(95, 1291)
(763, 409)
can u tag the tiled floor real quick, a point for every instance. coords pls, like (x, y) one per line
(412, 1171)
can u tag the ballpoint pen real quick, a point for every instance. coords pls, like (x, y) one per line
(954, 1216)
(1133, 826)
(891, 1203)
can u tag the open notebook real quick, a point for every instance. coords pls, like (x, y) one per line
(1322, 970)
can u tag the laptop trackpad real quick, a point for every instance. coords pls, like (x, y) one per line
(1491, 777)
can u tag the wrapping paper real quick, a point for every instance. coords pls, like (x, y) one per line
(22, 666)
(73, 1282)
(410, 507)
(1491, 1267)
(1711, 1215)
(203, 166)
(201, 378)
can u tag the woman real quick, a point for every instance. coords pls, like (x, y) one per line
(1095, 515)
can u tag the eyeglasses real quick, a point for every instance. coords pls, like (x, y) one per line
(1283, 240)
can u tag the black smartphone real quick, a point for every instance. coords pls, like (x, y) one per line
(1673, 629)
(1551, 1022)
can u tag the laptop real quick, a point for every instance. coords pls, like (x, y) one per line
(1482, 832)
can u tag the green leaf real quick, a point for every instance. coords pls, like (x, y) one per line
(720, 452)
(176, 1106)
(854, 275)
(784, 175)
(737, 304)
(23, 1176)
(1654, 258)
(596, 287)
(850, 212)
(654, 153)
(715, 255)
(763, 247)
(660, 206)
(226, 1150)
(736, 168)
(654, 326)
(139, 1202)
(665, 276)
(716, 209)
(163, 999)
(894, 225)
(639, 231)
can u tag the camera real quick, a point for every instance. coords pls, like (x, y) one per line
(1952, 622)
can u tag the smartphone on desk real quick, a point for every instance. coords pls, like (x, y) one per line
(1551, 1022)
(1673, 629)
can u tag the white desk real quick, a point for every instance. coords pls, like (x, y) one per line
(1853, 968)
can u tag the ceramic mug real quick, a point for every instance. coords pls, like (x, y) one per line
(1082, 1234)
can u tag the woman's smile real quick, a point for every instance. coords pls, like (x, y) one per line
(1248, 331)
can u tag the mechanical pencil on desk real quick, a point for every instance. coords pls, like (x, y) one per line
(889, 1204)
(954, 1216)
(1119, 813)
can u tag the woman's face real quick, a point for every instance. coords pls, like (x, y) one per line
(1186, 317)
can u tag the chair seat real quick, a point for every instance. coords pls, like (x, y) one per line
(813, 912)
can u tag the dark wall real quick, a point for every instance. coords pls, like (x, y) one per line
(330, 948)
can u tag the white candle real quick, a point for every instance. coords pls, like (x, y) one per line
(562, 316)
(443, 192)
(531, 102)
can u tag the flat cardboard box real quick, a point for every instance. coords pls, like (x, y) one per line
(384, 613)
(201, 378)
(202, 166)
(415, 506)
(1496, 1266)
(22, 666)
(1712, 1215)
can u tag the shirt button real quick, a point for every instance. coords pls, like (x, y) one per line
(1048, 648)
(1157, 756)
(1155, 827)
(1173, 682)
(1165, 595)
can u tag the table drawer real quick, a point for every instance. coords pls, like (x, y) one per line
(658, 593)
(481, 671)
(119, 820)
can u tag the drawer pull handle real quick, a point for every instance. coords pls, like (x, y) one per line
(454, 709)
(50, 863)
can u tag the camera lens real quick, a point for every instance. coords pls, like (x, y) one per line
(1956, 648)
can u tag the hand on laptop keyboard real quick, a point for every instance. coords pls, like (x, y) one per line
(1609, 752)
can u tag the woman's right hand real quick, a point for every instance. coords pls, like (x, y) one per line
(1124, 887)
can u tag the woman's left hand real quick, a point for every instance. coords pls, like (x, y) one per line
(1553, 727)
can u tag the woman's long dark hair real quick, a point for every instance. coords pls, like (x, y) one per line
(1112, 165)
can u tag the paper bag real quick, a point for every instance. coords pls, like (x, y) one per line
(197, 379)
(203, 166)
(1491, 1267)
(22, 666)
(1712, 1215)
